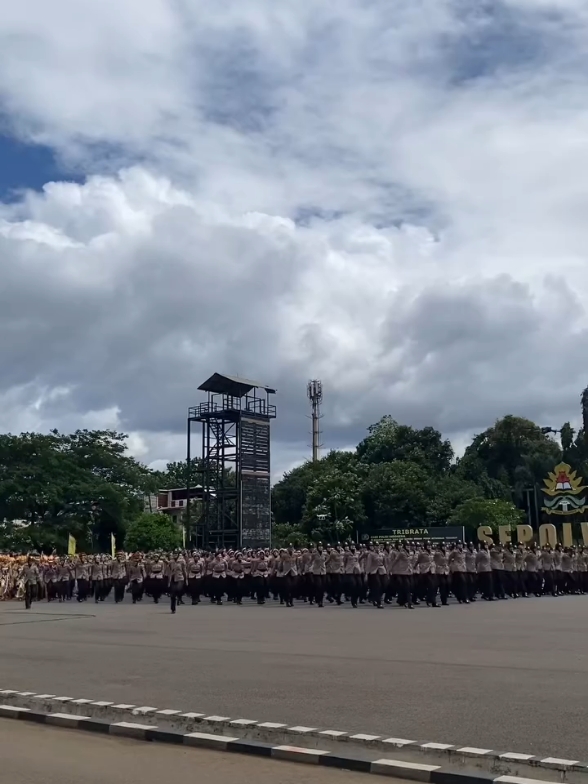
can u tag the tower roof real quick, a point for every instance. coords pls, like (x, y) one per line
(232, 385)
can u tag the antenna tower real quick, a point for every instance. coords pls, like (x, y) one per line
(314, 391)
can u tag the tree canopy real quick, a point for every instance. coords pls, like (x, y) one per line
(88, 485)
(400, 476)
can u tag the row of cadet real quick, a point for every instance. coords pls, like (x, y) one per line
(372, 574)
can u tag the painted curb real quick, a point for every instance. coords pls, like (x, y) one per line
(430, 774)
(354, 749)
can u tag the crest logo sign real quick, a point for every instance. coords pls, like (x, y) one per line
(564, 493)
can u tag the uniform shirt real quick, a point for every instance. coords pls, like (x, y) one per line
(97, 571)
(496, 559)
(176, 571)
(546, 560)
(82, 571)
(457, 561)
(470, 561)
(335, 562)
(136, 572)
(440, 561)
(351, 562)
(483, 561)
(508, 559)
(30, 574)
(118, 570)
(318, 563)
(402, 563)
(194, 568)
(287, 565)
(531, 561)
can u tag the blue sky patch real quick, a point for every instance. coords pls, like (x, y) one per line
(24, 166)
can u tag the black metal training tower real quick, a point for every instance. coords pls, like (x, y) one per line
(235, 465)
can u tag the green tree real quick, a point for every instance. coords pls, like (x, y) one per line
(388, 441)
(82, 484)
(152, 532)
(176, 474)
(334, 505)
(284, 535)
(514, 451)
(397, 494)
(486, 511)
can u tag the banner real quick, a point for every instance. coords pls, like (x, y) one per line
(448, 533)
(112, 545)
(71, 545)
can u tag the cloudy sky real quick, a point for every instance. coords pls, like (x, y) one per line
(388, 195)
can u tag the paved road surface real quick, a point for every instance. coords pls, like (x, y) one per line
(508, 675)
(30, 754)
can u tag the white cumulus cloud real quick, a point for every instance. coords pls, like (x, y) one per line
(386, 196)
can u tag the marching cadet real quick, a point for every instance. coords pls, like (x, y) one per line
(136, 577)
(352, 571)
(97, 578)
(471, 572)
(50, 580)
(334, 571)
(63, 573)
(31, 577)
(375, 566)
(484, 570)
(545, 561)
(238, 576)
(441, 572)
(82, 575)
(403, 573)
(425, 576)
(521, 574)
(176, 574)
(568, 585)
(194, 570)
(219, 575)
(532, 571)
(457, 568)
(497, 566)
(318, 571)
(259, 573)
(287, 572)
(118, 574)
(509, 563)
(155, 577)
(557, 570)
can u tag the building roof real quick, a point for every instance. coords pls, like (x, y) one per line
(232, 385)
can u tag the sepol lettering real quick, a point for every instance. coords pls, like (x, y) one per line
(547, 534)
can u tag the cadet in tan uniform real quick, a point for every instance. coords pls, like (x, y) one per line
(195, 571)
(457, 569)
(31, 578)
(352, 571)
(176, 574)
(136, 577)
(484, 570)
(509, 563)
(288, 573)
(318, 571)
(118, 574)
(82, 575)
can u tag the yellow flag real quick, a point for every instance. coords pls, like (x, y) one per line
(71, 545)
(112, 545)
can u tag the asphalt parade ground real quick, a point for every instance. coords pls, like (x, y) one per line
(507, 675)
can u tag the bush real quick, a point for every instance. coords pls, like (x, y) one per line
(153, 532)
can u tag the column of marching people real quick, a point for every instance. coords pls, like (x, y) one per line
(405, 573)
